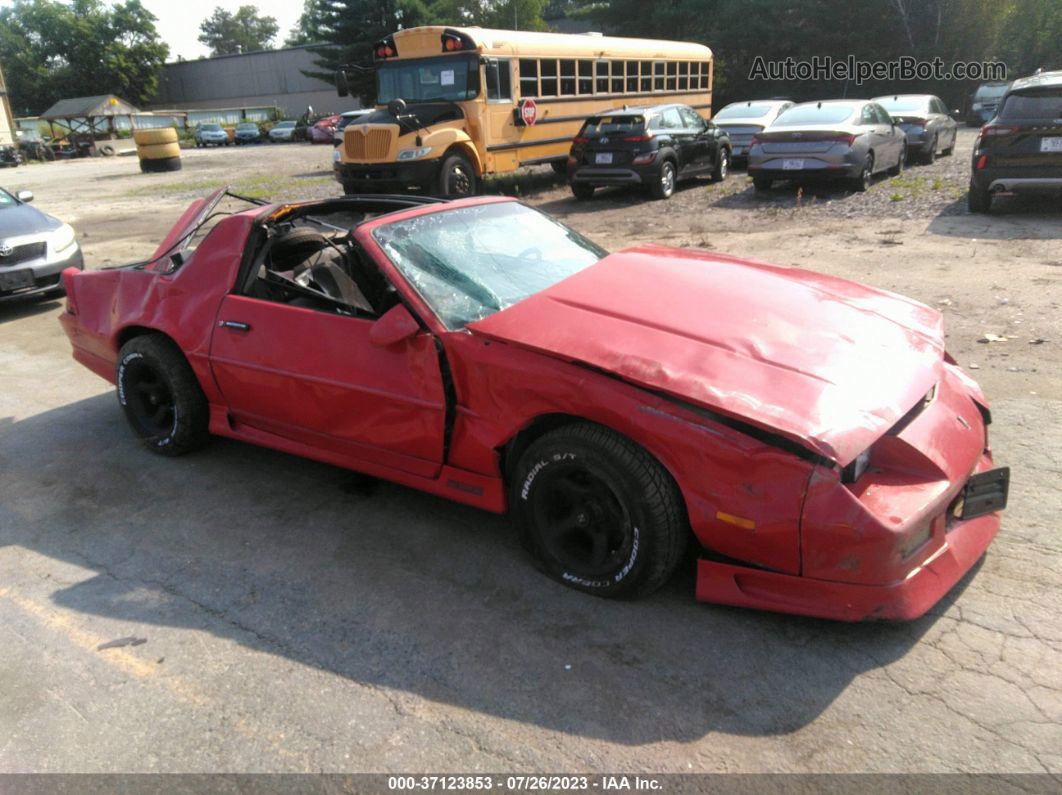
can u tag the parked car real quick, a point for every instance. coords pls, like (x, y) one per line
(282, 131)
(984, 101)
(1020, 150)
(614, 404)
(35, 247)
(654, 146)
(926, 122)
(849, 139)
(10, 156)
(348, 118)
(247, 132)
(211, 134)
(324, 130)
(742, 120)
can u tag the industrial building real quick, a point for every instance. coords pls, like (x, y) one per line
(269, 78)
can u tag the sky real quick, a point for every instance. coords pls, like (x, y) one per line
(179, 20)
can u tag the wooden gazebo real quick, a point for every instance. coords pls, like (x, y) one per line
(89, 118)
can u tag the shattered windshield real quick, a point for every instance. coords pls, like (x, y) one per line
(470, 262)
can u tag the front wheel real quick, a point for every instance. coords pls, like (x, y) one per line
(457, 177)
(664, 185)
(598, 512)
(161, 396)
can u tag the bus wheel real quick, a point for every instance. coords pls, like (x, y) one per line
(457, 177)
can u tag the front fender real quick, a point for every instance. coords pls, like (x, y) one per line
(447, 138)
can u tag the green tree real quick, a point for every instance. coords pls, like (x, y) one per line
(307, 29)
(245, 31)
(52, 50)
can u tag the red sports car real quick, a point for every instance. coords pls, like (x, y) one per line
(323, 131)
(808, 433)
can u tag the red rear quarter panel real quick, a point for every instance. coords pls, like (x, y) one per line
(183, 305)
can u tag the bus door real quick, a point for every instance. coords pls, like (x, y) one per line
(500, 131)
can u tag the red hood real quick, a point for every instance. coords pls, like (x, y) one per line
(826, 362)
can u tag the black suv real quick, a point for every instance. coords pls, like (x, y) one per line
(1020, 150)
(654, 146)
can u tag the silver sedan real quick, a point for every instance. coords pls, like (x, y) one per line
(846, 139)
(742, 120)
(926, 122)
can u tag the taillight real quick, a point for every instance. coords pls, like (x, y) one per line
(755, 141)
(642, 159)
(991, 130)
(844, 139)
(982, 161)
(580, 140)
(638, 139)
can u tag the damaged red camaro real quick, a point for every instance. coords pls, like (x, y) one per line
(810, 434)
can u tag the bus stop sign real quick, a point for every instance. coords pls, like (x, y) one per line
(529, 112)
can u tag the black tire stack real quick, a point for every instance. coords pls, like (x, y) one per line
(158, 149)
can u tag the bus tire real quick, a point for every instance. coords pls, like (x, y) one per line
(457, 177)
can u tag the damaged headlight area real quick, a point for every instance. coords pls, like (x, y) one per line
(414, 154)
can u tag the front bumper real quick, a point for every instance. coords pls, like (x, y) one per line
(904, 600)
(37, 276)
(372, 177)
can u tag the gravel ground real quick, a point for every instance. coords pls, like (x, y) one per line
(296, 618)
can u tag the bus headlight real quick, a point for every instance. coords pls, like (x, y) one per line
(414, 154)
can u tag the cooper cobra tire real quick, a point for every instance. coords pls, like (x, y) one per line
(160, 396)
(599, 514)
(158, 151)
(161, 135)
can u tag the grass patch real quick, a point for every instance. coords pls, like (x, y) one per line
(256, 187)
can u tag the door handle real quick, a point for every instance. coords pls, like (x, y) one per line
(235, 324)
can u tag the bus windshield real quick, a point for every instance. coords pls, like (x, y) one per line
(448, 77)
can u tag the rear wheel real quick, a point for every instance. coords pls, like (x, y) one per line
(598, 512)
(898, 168)
(722, 165)
(457, 177)
(664, 185)
(978, 200)
(930, 155)
(160, 395)
(861, 183)
(582, 191)
(762, 184)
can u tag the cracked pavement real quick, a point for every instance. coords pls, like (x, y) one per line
(299, 618)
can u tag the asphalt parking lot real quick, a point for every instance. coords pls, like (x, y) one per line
(290, 616)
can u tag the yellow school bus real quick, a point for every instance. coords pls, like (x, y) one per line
(456, 104)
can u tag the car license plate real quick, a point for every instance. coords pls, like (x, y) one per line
(986, 493)
(603, 158)
(792, 165)
(1051, 144)
(15, 280)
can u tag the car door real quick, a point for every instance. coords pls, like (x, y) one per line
(947, 129)
(671, 125)
(703, 143)
(889, 138)
(314, 376)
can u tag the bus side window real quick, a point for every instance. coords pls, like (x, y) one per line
(549, 77)
(617, 77)
(705, 83)
(586, 77)
(632, 77)
(499, 80)
(647, 77)
(601, 67)
(528, 77)
(567, 83)
(672, 69)
(658, 75)
(684, 76)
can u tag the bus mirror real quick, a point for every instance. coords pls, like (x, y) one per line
(341, 83)
(396, 107)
